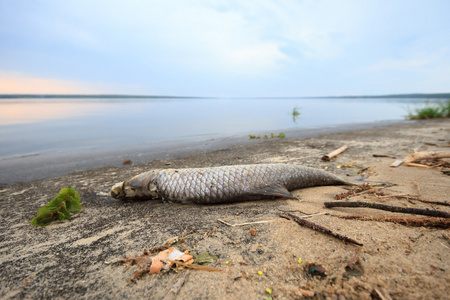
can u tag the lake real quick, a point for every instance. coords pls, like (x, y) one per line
(39, 126)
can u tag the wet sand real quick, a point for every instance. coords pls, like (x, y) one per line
(72, 258)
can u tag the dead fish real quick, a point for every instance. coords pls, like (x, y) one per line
(223, 184)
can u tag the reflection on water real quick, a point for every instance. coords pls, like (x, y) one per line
(33, 111)
(41, 125)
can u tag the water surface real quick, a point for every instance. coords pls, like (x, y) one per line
(36, 126)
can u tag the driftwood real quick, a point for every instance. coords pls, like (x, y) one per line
(405, 210)
(397, 163)
(335, 153)
(418, 156)
(427, 221)
(424, 155)
(242, 224)
(303, 222)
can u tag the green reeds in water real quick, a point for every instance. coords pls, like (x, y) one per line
(431, 111)
(295, 113)
(66, 202)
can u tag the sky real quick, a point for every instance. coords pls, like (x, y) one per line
(264, 48)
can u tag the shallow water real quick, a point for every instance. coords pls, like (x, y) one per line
(36, 126)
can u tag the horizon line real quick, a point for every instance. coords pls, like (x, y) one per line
(38, 95)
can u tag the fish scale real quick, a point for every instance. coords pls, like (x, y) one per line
(223, 184)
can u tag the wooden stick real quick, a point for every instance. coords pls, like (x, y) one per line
(242, 224)
(383, 155)
(427, 221)
(415, 198)
(405, 210)
(335, 153)
(303, 222)
(417, 165)
(423, 155)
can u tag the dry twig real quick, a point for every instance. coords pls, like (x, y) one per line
(426, 222)
(406, 210)
(242, 224)
(194, 266)
(303, 222)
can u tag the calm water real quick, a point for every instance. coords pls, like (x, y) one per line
(35, 126)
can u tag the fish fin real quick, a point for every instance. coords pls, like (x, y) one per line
(274, 191)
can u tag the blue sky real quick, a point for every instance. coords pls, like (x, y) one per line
(225, 48)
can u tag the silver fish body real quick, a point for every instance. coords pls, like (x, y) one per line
(223, 184)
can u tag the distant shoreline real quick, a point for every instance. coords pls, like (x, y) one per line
(75, 96)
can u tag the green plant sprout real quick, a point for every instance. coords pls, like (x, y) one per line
(280, 135)
(295, 113)
(67, 201)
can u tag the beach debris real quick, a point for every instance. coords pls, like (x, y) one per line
(351, 166)
(397, 163)
(319, 228)
(280, 135)
(426, 155)
(243, 224)
(420, 222)
(352, 262)
(127, 162)
(67, 201)
(334, 153)
(252, 231)
(175, 289)
(416, 159)
(414, 239)
(356, 191)
(161, 261)
(398, 209)
(204, 258)
(317, 270)
(102, 194)
(194, 266)
(366, 171)
(154, 262)
(368, 189)
(354, 267)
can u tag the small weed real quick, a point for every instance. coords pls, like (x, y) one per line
(295, 113)
(280, 135)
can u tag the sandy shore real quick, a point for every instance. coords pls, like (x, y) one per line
(72, 259)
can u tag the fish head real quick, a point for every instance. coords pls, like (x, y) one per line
(141, 187)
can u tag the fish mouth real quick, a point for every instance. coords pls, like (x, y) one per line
(117, 191)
